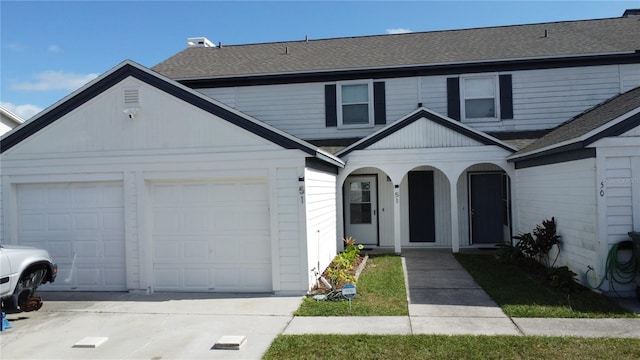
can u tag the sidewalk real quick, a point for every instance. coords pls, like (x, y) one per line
(444, 299)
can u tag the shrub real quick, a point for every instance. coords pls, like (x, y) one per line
(563, 278)
(537, 246)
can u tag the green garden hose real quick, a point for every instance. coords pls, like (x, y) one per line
(622, 273)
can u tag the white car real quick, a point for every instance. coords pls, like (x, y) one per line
(22, 270)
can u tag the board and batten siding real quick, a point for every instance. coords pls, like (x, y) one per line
(542, 99)
(289, 231)
(320, 198)
(618, 191)
(567, 192)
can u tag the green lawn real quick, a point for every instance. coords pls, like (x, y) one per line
(381, 292)
(522, 295)
(408, 347)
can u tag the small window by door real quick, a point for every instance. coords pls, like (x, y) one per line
(360, 202)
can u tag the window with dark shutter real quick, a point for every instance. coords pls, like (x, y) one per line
(379, 103)
(355, 104)
(453, 98)
(506, 97)
(330, 108)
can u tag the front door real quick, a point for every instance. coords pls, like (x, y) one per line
(486, 208)
(361, 209)
(422, 226)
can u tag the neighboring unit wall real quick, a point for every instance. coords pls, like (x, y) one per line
(567, 192)
(618, 195)
(320, 195)
(542, 99)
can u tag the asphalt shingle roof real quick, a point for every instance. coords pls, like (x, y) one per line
(588, 121)
(568, 38)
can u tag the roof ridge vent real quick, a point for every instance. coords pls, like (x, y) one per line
(199, 42)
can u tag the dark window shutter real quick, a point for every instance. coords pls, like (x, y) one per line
(379, 103)
(330, 109)
(506, 97)
(453, 98)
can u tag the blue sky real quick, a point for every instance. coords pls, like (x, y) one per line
(48, 49)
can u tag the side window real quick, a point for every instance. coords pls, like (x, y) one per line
(355, 105)
(479, 97)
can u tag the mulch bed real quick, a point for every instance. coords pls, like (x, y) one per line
(320, 288)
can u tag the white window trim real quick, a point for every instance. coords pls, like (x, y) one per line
(496, 99)
(339, 85)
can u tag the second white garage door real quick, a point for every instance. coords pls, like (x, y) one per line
(211, 236)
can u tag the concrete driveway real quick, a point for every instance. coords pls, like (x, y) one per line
(158, 326)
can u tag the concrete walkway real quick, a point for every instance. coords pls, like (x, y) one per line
(444, 299)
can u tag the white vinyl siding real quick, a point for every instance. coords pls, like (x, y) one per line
(567, 192)
(424, 133)
(542, 99)
(629, 76)
(320, 196)
(289, 231)
(618, 191)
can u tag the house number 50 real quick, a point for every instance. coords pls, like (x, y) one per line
(601, 188)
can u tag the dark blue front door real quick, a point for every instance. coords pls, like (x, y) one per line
(487, 213)
(422, 226)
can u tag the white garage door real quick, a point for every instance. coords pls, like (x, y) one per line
(82, 226)
(211, 236)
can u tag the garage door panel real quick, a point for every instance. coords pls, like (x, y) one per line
(217, 230)
(33, 222)
(82, 227)
(197, 249)
(197, 278)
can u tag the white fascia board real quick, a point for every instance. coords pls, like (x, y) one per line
(11, 116)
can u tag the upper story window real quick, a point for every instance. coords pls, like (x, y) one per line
(486, 97)
(479, 97)
(355, 104)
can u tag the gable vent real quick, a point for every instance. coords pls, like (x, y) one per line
(131, 98)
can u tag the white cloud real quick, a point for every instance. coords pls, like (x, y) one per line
(54, 80)
(17, 47)
(398, 31)
(54, 48)
(25, 111)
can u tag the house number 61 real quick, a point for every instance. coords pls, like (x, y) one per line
(601, 188)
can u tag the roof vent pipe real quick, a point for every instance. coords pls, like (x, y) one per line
(199, 42)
